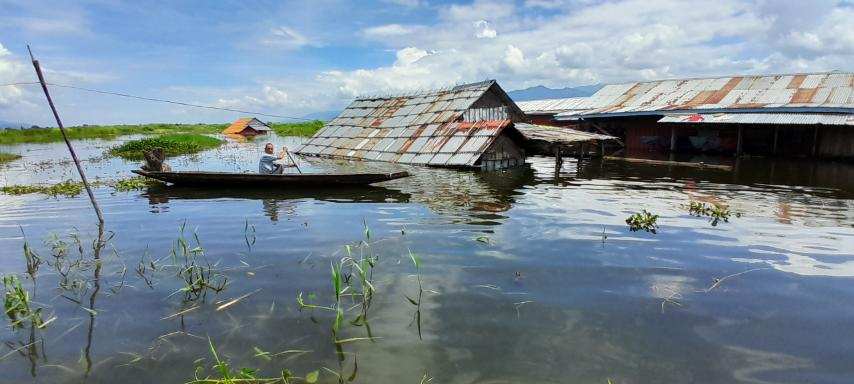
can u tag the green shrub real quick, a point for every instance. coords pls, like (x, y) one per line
(172, 145)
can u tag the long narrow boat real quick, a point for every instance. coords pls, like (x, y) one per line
(225, 179)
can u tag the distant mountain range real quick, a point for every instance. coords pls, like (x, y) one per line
(540, 92)
(14, 124)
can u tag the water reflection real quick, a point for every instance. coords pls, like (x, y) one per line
(560, 291)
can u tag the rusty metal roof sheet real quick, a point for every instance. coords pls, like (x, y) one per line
(831, 92)
(421, 128)
(761, 118)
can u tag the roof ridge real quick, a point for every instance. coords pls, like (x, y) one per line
(425, 91)
(831, 72)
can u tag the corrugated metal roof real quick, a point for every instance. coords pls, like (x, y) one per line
(831, 92)
(761, 118)
(421, 128)
(558, 134)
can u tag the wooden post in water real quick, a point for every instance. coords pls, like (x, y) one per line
(672, 139)
(65, 137)
(738, 147)
(815, 141)
(776, 137)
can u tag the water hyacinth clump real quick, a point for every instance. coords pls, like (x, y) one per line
(66, 188)
(134, 184)
(643, 221)
(172, 145)
(715, 213)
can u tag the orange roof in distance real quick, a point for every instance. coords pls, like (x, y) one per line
(240, 125)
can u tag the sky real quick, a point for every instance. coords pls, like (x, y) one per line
(292, 58)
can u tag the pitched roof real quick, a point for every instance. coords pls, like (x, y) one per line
(240, 124)
(437, 127)
(829, 92)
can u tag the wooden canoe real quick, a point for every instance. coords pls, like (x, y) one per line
(226, 179)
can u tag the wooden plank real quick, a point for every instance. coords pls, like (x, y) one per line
(665, 162)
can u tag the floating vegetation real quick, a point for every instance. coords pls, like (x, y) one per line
(643, 221)
(7, 157)
(172, 145)
(224, 374)
(66, 188)
(134, 184)
(715, 213)
(17, 304)
(194, 269)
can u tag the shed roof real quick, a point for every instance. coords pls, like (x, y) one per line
(240, 124)
(561, 135)
(828, 92)
(436, 127)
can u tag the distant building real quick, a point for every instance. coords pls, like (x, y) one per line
(249, 126)
(791, 115)
(468, 126)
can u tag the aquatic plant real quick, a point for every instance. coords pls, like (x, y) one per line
(66, 188)
(172, 145)
(47, 135)
(194, 269)
(224, 374)
(7, 157)
(17, 305)
(134, 184)
(643, 221)
(715, 213)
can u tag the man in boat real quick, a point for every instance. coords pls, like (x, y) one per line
(271, 164)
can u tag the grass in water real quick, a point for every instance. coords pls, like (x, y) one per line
(47, 135)
(224, 374)
(66, 188)
(173, 145)
(7, 157)
(643, 221)
(16, 304)
(297, 129)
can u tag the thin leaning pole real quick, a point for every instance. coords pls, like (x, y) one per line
(65, 137)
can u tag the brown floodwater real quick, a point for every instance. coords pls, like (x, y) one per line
(528, 276)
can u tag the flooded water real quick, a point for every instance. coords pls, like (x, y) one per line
(528, 276)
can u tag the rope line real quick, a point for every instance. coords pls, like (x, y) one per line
(153, 99)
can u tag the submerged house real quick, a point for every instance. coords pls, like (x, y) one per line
(249, 126)
(790, 114)
(467, 126)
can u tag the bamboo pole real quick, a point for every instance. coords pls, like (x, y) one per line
(65, 137)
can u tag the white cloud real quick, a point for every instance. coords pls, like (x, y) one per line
(477, 10)
(607, 42)
(286, 37)
(387, 30)
(484, 31)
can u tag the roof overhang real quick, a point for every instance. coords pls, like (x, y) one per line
(760, 118)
